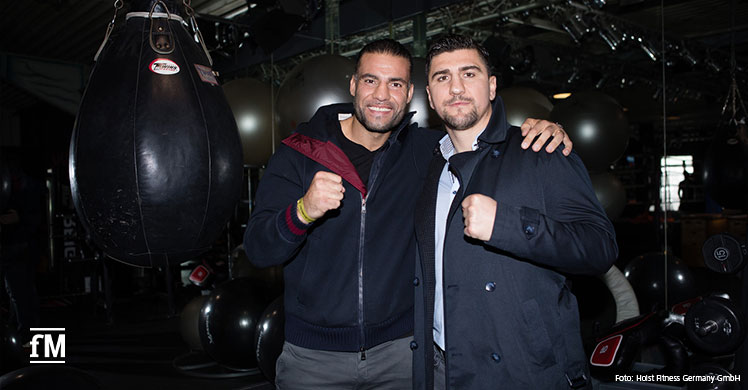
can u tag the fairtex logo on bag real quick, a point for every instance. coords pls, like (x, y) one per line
(163, 66)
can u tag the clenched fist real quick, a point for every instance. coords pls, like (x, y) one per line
(325, 193)
(479, 212)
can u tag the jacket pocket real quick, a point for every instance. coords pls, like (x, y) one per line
(535, 334)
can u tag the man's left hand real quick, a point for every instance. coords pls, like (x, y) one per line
(543, 129)
(479, 212)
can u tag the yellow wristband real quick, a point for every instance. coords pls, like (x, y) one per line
(304, 216)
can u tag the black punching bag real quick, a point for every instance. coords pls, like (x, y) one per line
(155, 156)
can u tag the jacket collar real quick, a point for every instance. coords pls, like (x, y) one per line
(497, 127)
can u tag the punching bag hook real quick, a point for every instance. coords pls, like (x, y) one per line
(193, 23)
(109, 28)
(164, 40)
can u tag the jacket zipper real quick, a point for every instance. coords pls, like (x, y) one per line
(361, 275)
(370, 186)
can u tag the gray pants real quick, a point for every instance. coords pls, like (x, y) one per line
(387, 366)
(439, 373)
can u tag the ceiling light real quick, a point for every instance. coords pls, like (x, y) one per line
(609, 33)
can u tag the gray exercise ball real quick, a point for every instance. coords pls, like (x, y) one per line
(316, 82)
(425, 116)
(521, 103)
(597, 125)
(610, 192)
(250, 101)
(189, 321)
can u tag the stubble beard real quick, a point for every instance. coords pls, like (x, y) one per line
(461, 122)
(358, 110)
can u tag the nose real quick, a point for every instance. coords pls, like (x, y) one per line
(456, 87)
(382, 92)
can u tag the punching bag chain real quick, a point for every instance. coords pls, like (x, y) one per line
(165, 40)
(109, 28)
(191, 15)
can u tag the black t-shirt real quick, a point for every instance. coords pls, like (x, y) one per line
(361, 157)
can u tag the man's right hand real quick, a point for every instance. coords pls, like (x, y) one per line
(325, 193)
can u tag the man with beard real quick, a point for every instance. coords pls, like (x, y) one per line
(335, 206)
(496, 227)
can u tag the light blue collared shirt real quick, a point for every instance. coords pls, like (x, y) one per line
(448, 186)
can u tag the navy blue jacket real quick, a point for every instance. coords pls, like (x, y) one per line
(510, 320)
(349, 277)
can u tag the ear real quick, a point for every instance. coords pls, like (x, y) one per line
(492, 87)
(428, 94)
(410, 92)
(352, 86)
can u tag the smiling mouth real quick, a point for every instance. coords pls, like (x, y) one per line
(379, 109)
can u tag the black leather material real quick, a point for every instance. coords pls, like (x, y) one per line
(155, 159)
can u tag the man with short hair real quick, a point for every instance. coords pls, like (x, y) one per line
(335, 206)
(497, 226)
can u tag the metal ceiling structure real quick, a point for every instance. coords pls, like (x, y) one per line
(553, 45)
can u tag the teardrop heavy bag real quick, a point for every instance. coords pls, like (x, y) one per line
(155, 156)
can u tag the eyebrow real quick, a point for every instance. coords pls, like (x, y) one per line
(369, 75)
(461, 69)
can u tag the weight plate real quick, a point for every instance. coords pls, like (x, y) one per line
(715, 326)
(723, 254)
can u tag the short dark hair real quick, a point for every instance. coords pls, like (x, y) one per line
(451, 42)
(385, 46)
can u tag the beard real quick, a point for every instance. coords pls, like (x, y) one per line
(397, 117)
(460, 122)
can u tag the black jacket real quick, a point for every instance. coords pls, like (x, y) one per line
(510, 320)
(348, 278)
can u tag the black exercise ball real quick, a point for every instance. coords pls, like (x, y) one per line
(250, 101)
(49, 376)
(425, 116)
(316, 82)
(189, 320)
(521, 103)
(597, 125)
(268, 279)
(12, 353)
(646, 274)
(269, 337)
(228, 322)
(726, 167)
(610, 193)
(155, 157)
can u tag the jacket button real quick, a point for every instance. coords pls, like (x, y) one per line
(495, 356)
(413, 345)
(495, 153)
(416, 282)
(529, 230)
(490, 286)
